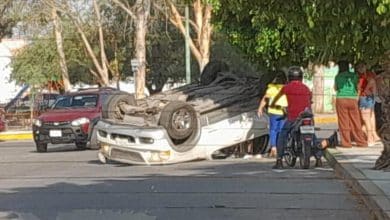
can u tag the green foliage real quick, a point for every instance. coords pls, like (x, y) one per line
(6, 20)
(276, 33)
(166, 52)
(36, 64)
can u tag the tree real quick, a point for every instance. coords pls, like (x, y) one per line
(201, 26)
(276, 34)
(6, 22)
(140, 14)
(99, 60)
(60, 48)
(383, 162)
(36, 64)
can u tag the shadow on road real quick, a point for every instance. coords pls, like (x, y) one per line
(199, 190)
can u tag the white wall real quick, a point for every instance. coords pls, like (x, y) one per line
(8, 89)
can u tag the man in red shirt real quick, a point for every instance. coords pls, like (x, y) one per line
(298, 99)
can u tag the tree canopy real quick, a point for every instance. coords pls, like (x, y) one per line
(6, 20)
(278, 33)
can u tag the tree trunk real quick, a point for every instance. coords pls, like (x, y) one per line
(101, 66)
(103, 56)
(205, 36)
(140, 14)
(318, 88)
(200, 46)
(383, 161)
(142, 9)
(60, 49)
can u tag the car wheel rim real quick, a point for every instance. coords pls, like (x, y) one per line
(181, 120)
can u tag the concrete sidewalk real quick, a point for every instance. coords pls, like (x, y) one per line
(354, 166)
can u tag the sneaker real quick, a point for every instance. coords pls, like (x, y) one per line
(318, 163)
(258, 156)
(333, 140)
(278, 165)
(247, 156)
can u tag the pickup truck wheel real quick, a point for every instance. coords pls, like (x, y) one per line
(211, 70)
(41, 147)
(93, 142)
(81, 145)
(112, 109)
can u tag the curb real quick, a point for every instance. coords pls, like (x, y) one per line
(325, 120)
(9, 136)
(373, 197)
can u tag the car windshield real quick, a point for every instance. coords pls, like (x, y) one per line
(76, 101)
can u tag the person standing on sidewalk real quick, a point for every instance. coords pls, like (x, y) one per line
(367, 91)
(348, 114)
(276, 115)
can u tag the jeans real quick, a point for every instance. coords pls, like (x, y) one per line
(276, 123)
(366, 102)
(282, 141)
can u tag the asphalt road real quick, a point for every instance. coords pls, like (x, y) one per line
(69, 184)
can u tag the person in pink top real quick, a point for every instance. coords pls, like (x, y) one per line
(367, 90)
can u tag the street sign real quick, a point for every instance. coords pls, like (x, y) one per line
(134, 65)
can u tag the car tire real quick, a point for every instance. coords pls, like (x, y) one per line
(178, 118)
(155, 83)
(81, 145)
(93, 142)
(262, 143)
(211, 70)
(181, 123)
(41, 147)
(112, 106)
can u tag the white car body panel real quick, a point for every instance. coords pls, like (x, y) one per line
(213, 137)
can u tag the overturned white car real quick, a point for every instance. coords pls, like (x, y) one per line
(187, 123)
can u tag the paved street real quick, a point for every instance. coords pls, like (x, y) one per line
(69, 184)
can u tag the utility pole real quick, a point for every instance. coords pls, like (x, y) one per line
(187, 46)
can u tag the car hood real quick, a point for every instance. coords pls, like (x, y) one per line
(68, 114)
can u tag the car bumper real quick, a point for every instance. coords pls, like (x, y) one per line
(134, 145)
(59, 134)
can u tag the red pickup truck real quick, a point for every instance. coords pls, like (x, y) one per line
(71, 119)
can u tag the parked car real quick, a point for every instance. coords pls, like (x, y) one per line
(71, 119)
(17, 112)
(195, 121)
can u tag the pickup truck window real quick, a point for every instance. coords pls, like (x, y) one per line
(76, 101)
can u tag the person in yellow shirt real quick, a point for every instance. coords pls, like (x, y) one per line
(276, 115)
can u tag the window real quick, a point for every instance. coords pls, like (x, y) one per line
(76, 101)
